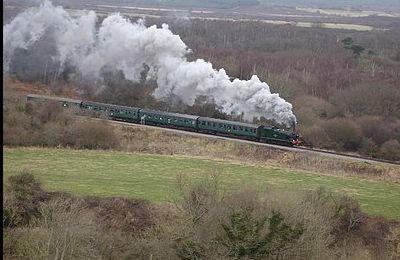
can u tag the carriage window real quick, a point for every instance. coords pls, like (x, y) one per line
(234, 127)
(214, 124)
(246, 130)
(203, 123)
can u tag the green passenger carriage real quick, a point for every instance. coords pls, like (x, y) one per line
(149, 116)
(115, 112)
(212, 125)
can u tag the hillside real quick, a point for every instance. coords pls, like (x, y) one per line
(136, 175)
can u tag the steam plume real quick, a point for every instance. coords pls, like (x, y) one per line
(119, 44)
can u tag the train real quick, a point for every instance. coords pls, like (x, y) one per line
(207, 125)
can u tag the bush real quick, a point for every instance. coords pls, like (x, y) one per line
(23, 194)
(94, 135)
(378, 100)
(390, 150)
(50, 125)
(377, 129)
(65, 230)
(249, 225)
(127, 216)
(315, 136)
(309, 110)
(343, 133)
(243, 236)
(368, 148)
(50, 111)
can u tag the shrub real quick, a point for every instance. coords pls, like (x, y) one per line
(368, 148)
(379, 100)
(377, 129)
(127, 216)
(23, 193)
(243, 236)
(65, 230)
(249, 225)
(343, 133)
(94, 135)
(390, 150)
(50, 111)
(315, 136)
(313, 107)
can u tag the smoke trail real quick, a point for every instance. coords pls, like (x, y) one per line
(119, 44)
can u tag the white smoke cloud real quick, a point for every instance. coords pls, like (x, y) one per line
(120, 44)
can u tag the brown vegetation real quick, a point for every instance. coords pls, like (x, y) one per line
(202, 223)
(49, 124)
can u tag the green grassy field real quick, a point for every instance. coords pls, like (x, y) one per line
(153, 177)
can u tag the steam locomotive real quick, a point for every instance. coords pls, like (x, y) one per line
(260, 133)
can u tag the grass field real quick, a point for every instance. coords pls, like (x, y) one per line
(105, 173)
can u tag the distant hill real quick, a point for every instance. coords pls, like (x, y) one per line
(192, 3)
(354, 4)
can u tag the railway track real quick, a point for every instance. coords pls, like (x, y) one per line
(293, 149)
(346, 155)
